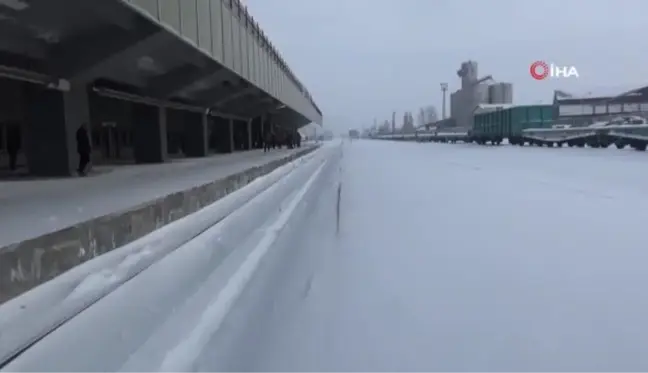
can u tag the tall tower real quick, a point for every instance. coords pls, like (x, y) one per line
(444, 92)
(468, 74)
(393, 122)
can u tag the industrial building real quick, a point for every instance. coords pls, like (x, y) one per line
(500, 94)
(476, 91)
(150, 79)
(584, 110)
(483, 94)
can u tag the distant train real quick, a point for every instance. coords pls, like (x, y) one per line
(446, 136)
(533, 125)
(621, 131)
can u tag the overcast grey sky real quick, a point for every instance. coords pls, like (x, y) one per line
(362, 59)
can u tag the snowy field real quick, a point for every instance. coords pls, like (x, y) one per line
(32, 208)
(447, 257)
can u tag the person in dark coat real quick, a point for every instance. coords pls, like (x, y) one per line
(13, 145)
(267, 141)
(273, 139)
(83, 148)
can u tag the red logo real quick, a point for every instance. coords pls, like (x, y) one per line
(539, 70)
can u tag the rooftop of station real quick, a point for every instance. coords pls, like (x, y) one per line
(624, 94)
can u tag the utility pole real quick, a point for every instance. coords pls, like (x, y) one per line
(444, 91)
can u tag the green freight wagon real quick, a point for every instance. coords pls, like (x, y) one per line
(508, 123)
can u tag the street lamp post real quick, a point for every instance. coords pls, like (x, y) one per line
(444, 90)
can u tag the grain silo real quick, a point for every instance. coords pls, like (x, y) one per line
(454, 103)
(480, 93)
(500, 93)
(468, 74)
(473, 92)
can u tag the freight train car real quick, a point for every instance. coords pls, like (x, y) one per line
(621, 131)
(509, 123)
(534, 125)
(447, 136)
(397, 136)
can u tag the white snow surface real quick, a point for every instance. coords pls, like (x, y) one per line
(456, 258)
(22, 317)
(183, 356)
(35, 207)
(158, 293)
(448, 258)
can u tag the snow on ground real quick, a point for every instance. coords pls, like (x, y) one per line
(22, 318)
(36, 207)
(456, 257)
(448, 257)
(151, 302)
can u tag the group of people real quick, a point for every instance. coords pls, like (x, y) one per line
(272, 139)
(14, 143)
(276, 138)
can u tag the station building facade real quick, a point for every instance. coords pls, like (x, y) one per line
(582, 111)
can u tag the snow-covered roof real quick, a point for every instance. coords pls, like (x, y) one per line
(484, 108)
(636, 91)
(600, 92)
(494, 106)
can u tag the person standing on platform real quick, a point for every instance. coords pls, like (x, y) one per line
(267, 142)
(13, 144)
(83, 148)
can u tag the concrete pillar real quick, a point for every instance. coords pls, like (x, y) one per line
(195, 131)
(267, 123)
(264, 119)
(149, 133)
(175, 121)
(250, 142)
(257, 131)
(213, 134)
(222, 135)
(52, 119)
(230, 132)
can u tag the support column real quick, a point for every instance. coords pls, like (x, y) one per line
(175, 133)
(195, 131)
(267, 123)
(53, 117)
(230, 134)
(222, 135)
(213, 134)
(262, 126)
(250, 143)
(149, 134)
(257, 132)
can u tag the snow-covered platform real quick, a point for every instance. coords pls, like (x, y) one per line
(41, 220)
(36, 207)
